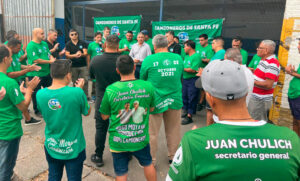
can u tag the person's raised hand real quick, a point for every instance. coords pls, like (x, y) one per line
(2, 93)
(200, 70)
(80, 83)
(31, 85)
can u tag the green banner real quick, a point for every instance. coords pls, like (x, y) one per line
(189, 29)
(119, 25)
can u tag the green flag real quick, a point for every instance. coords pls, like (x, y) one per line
(119, 25)
(189, 29)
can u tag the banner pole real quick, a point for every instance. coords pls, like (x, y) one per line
(161, 10)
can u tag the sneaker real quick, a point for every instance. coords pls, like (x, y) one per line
(97, 160)
(187, 120)
(91, 101)
(38, 114)
(184, 113)
(200, 107)
(32, 121)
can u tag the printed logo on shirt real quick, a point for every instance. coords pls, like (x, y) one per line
(166, 62)
(177, 160)
(80, 46)
(130, 85)
(40, 50)
(17, 92)
(54, 104)
(33, 53)
(44, 48)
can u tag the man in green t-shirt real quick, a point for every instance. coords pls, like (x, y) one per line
(106, 33)
(22, 54)
(237, 42)
(94, 49)
(204, 49)
(126, 44)
(294, 94)
(148, 40)
(236, 147)
(218, 47)
(64, 138)
(254, 62)
(164, 70)
(190, 93)
(128, 103)
(39, 53)
(17, 71)
(12, 104)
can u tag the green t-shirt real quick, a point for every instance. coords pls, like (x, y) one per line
(124, 43)
(192, 62)
(21, 53)
(254, 61)
(244, 54)
(164, 70)
(62, 113)
(10, 115)
(149, 42)
(38, 51)
(94, 49)
(205, 53)
(15, 66)
(128, 103)
(218, 55)
(294, 88)
(232, 151)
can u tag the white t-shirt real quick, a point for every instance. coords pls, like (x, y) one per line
(250, 82)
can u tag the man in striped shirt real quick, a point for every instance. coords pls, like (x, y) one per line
(266, 77)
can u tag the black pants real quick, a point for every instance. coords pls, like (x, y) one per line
(101, 126)
(45, 81)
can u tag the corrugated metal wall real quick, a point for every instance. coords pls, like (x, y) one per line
(25, 15)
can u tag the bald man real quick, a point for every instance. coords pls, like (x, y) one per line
(38, 52)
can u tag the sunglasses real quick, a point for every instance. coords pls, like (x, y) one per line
(73, 34)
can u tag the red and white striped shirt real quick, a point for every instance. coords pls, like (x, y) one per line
(268, 68)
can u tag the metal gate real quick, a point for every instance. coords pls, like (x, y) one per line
(25, 15)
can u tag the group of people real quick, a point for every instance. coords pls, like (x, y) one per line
(137, 85)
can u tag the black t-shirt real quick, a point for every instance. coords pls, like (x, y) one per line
(175, 48)
(73, 49)
(103, 69)
(55, 54)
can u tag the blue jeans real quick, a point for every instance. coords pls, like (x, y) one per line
(73, 167)
(190, 95)
(121, 159)
(8, 156)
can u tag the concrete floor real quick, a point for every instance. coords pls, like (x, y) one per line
(32, 165)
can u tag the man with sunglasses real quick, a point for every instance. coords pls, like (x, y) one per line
(76, 51)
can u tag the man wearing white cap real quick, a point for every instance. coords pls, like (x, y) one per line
(237, 147)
